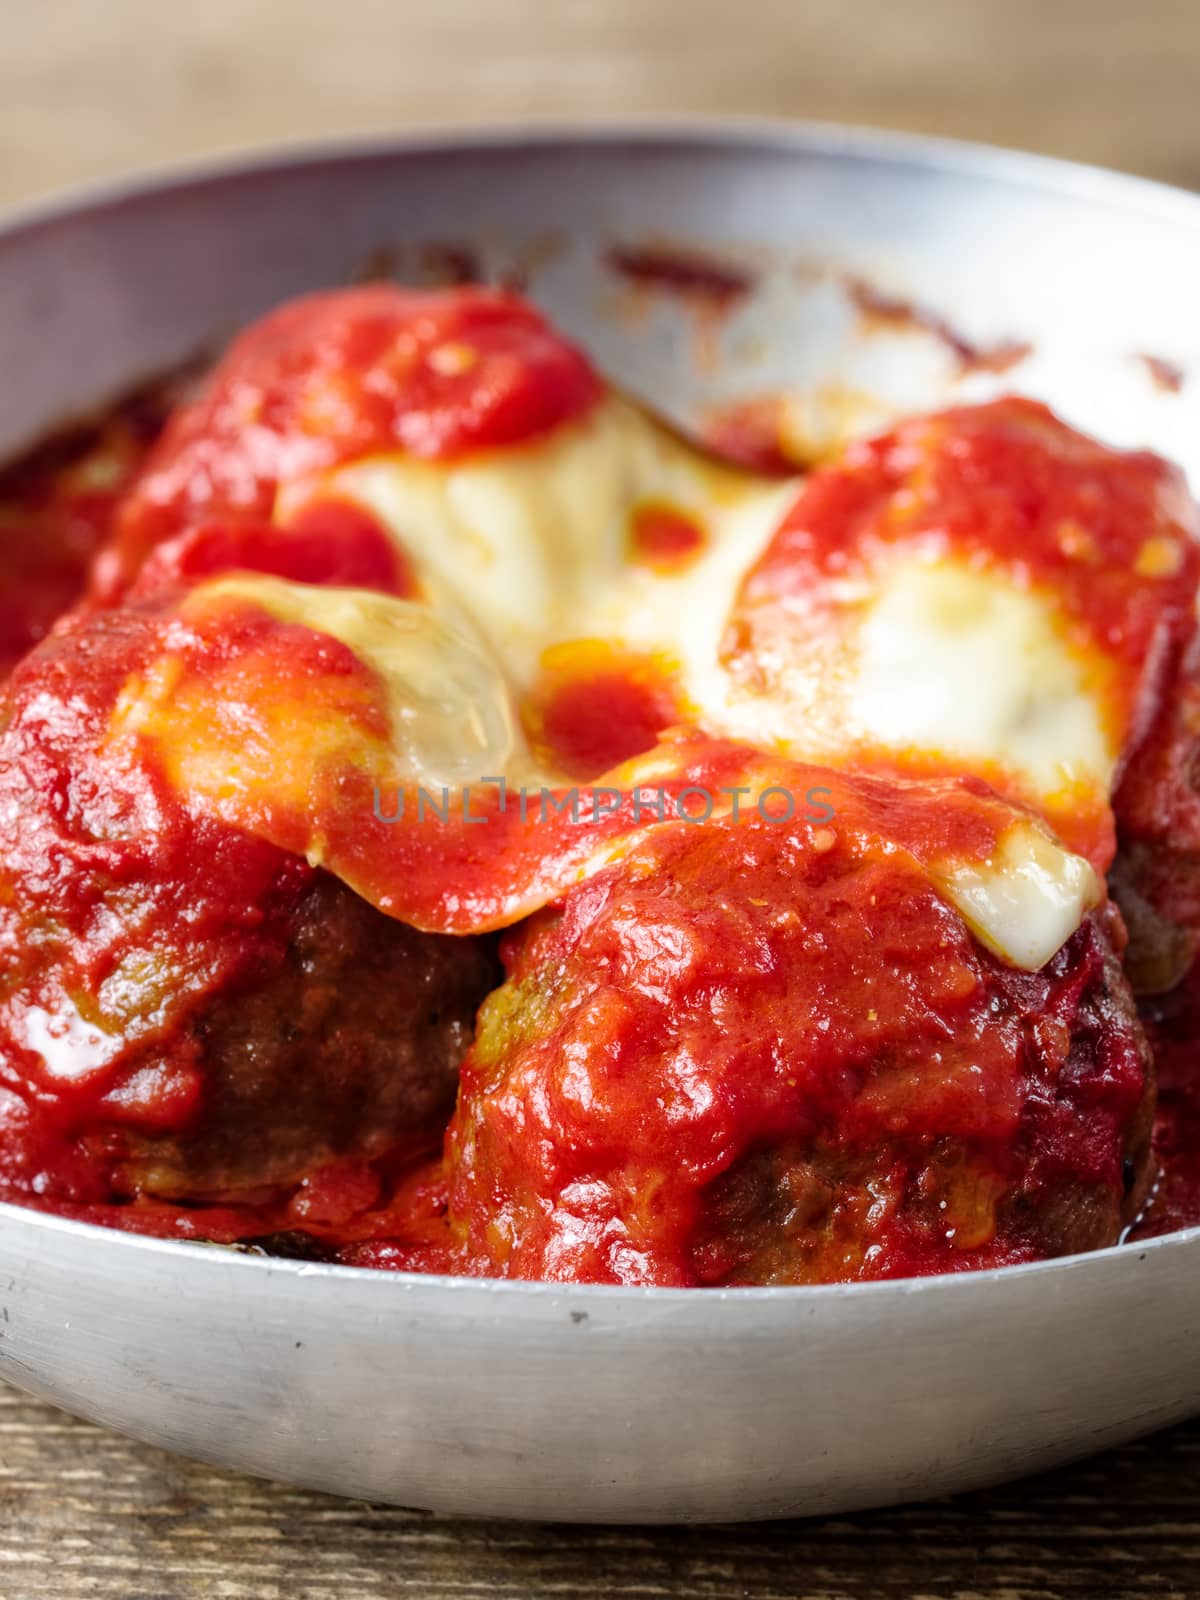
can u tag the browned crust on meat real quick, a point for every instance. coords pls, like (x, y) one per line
(349, 1048)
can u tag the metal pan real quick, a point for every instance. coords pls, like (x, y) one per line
(605, 1404)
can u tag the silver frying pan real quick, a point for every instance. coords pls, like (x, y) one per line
(604, 1404)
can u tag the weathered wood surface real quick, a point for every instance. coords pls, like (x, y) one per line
(88, 89)
(84, 1513)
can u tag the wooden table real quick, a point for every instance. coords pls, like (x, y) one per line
(85, 1513)
(89, 90)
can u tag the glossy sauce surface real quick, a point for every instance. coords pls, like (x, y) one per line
(1026, 558)
(482, 373)
(771, 1053)
(57, 507)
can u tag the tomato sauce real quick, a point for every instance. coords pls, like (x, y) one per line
(435, 374)
(1006, 485)
(327, 542)
(683, 272)
(1173, 1024)
(596, 707)
(607, 1131)
(896, 312)
(57, 507)
(1109, 537)
(753, 433)
(665, 538)
(1166, 375)
(673, 1148)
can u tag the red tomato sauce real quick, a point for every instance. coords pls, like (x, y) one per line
(645, 963)
(595, 707)
(57, 507)
(683, 272)
(1006, 486)
(435, 374)
(665, 538)
(327, 542)
(607, 1131)
(1173, 1025)
(896, 312)
(84, 994)
(753, 434)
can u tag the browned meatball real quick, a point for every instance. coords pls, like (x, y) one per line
(189, 1012)
(1156, 877)
(348, 1046)
(757, 1054)
(789, 1214)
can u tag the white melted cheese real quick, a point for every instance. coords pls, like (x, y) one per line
(532, 545)
(967, 664)
(1027, 900)
(941, 661)
(449, 706)
(523, 549)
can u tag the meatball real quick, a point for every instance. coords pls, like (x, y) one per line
(345, 1042)
(436, 374)
(1156, 882)
(186, 1011)
(754, 1053)
(983, 591)
(1156, 876)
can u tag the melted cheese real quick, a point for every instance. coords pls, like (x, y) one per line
(451, 714)
(519, 551)
(966, 664)
(960, 668)
(526, 549)
(533, 546)
(529, 549)
(1027, 901)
